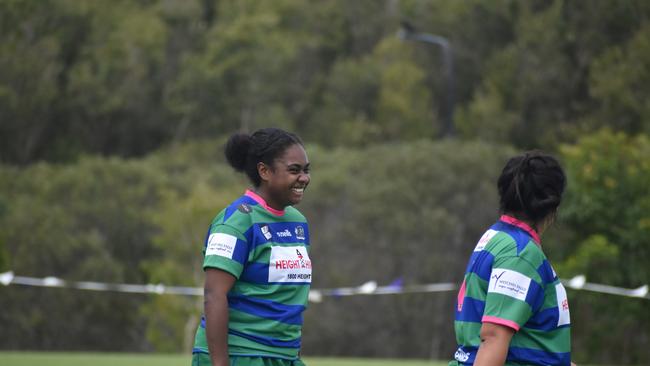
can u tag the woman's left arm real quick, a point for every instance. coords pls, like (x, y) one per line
(495, 340)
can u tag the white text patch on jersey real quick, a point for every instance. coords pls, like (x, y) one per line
(562, 305)
(289, 264)
(221, 244)
(510, 283)
(485, 239)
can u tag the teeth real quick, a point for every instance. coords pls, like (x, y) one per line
(298, 190)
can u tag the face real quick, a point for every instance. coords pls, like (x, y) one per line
(284, 183)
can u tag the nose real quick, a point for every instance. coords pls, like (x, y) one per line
(304, 178)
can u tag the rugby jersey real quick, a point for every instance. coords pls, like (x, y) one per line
(267, 251)
(509, 281)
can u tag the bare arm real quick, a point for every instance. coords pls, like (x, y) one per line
(495, 340)
(217, 285)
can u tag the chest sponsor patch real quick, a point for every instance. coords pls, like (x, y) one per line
(510, 283)
(485, 239)
(221, 244)
(562, 305)
(289, 264)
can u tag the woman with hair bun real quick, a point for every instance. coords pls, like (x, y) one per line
(512, 308)
(256, 259)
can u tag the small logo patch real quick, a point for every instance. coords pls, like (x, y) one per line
(284, 234)
(300, 232)
(461, 355)
(266, 232)
(245, 208)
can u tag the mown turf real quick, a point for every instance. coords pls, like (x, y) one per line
(129, 359)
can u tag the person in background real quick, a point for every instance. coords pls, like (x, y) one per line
(256, 259)
(512, 308)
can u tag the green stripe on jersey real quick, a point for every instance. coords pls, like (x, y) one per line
(256, 326)
(284, 294)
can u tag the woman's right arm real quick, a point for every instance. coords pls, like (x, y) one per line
(215, 293)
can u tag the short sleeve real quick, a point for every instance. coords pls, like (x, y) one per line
(226, 249)
(513, 289)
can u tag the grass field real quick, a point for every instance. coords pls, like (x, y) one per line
(143, 359)
(130, 359)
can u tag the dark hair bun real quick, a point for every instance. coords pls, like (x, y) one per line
(237, 149)
(531, 184)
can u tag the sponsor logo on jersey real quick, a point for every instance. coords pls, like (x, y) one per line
(221, 244)
(284, 234)
(266, 232)
(485, 239)
(245, 208)
(562, 305)
(300, 232)
(461, 355)
(289, 264)
(510, 283)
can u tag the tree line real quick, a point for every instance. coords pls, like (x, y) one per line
(113, 117)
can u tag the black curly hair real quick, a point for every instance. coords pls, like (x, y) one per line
(244, 151)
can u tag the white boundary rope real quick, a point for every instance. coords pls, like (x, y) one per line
(315, 295)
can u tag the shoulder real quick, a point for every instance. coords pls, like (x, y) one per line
(292, 214)
(499, 243)
(237, 215)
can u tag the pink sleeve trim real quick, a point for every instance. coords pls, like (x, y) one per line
(504, 322)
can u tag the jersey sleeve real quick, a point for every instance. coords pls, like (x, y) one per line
(226, 249)
(513, 288)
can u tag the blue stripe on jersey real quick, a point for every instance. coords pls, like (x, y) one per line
(472, 311)
(546, 272)
(535, 296)
(543, 358)
(520, 236)
(288, 314)
(241, 252)
(280, 232)
(255, 273)
(481, 264)
(268, 341)
(546, 320)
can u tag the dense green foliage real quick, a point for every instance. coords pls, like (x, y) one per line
(113, 116)
(127, 77)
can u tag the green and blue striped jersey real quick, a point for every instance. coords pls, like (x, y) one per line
(510, 282)
(268, 253)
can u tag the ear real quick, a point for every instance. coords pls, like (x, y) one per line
(264, 171)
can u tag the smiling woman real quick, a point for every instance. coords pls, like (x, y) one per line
(256, 258)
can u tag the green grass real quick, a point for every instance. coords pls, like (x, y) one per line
(134, 359)
(157, 359)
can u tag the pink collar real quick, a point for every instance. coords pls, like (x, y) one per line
(522, 225)
(263, 203)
